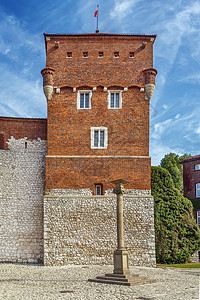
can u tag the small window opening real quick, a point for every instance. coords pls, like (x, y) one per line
(85, 54)
(116, 54)
(100, 54)
(98, 189)
(69, 54)
(131, 54)
(26, 145)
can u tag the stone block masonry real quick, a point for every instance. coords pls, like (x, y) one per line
(21, 200)
(81, 229)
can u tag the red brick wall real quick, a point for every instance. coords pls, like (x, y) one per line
(106, 71)
(84, 172)
(190, 177)
(69, 128)
(22, 127)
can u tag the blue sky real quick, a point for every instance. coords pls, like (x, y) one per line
(175, 109)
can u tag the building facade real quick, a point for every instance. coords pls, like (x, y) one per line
(191, 180)
(98, 88)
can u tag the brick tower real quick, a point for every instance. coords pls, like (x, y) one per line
(98, 88)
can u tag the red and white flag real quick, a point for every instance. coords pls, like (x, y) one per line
(96, 12)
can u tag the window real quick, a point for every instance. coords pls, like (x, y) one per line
(198, 217)
(131, 54)
(197, 167)
(85, 54)
(84, 99)
(99, 138)
(69, 54)
(116, 54)
(98, 189)
(198, 190)
(114, 99)
(100, 54)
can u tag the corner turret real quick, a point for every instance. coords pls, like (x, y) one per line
(150, 75)
(48, 82)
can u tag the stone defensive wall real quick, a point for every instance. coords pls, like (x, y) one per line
(21, 201)
(80, 228)
(22, 157)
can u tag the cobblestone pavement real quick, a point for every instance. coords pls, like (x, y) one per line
(25, 282)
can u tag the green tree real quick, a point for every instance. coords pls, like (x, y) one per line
(171, 162)
(176, 231)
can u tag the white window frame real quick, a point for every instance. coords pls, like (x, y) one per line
(99, 129)
(198, 217)
(197, 167)
(197, 190)
(79, 98)
(109, 99)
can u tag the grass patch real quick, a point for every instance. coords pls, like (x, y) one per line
(181, 266)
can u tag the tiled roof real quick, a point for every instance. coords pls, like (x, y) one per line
(192, 158)
(100, 34)
(20, 119)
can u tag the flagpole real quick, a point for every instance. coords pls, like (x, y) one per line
(97, 31)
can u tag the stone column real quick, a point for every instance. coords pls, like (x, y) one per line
(121, 264)
(121, 274)
(119, 190)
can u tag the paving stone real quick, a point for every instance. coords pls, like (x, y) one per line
(29, 282)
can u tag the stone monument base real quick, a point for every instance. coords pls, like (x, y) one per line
(122, 279)
(121, 263)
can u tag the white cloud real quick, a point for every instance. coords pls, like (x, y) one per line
(122, 8)
(192, 79)
(21, 83)
(158, 151)
(178, 30)
(159, 128)
(21, 96)
(15, 39)
(198, 130)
